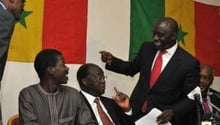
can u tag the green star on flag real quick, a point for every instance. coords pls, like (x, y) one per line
(23, 16)
(181, 34)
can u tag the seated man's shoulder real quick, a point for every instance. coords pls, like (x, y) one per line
(68, 88)
(214, 96)
(106, 99)
(214, 91)
(109, 101)
(29, 88)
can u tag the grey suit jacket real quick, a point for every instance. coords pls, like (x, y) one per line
(64, 107)
(7, 22)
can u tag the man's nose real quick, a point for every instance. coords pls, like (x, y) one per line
(155, 37)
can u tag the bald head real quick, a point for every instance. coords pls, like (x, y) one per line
(208, 68)
(206, 78)
(91, 79)
(165, 33)
(169, 22)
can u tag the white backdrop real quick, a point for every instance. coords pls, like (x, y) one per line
(108, 29)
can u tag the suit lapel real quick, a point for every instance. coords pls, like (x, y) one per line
(147, 67)
(170, 67)
(90, 108)
(110, 109)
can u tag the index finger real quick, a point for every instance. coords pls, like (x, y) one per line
(116, 90)
(101, 52)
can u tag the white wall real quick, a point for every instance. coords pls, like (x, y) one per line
(108, 29)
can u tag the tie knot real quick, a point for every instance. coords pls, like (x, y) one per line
(162, 52)
(204, 99)
(96, 100)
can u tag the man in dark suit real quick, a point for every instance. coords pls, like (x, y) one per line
(91, 80)
(179, 75)
(10, 10)
(211, 98)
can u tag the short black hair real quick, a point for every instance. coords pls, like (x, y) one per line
(84, 71)
(44, 59)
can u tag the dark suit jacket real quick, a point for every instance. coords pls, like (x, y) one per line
(115, 112)
(7, 22)
(179, 77)
(215, 100)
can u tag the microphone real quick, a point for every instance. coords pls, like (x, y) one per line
(217, 95)
(214, 106)
(197, 99)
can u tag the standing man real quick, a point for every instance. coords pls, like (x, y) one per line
(49, 102)
(91, 80)
(10, 11)
(167, 74)
(210, 97)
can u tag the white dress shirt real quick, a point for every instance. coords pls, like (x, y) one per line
(166, 57)
(3, 6)
(91, 99)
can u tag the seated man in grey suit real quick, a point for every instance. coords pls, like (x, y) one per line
(211, 98)
(92, 83)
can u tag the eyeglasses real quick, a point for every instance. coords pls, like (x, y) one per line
(99, 78)
(206, 78)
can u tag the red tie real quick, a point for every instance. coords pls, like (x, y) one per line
(144, 107)
(156, 69)
(206, 106)
(154, 75)
(103, 116)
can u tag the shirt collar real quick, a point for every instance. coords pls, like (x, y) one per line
(172, 49)
(3, 6)
(89, 97)
(46, 93)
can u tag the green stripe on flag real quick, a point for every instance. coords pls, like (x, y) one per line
(144, 13)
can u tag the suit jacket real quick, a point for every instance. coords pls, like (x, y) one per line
(115, 112)
(215, 100)
(179, 77)
(7, 22)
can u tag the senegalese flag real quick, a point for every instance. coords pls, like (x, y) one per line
(107, 29)
(51, 24)
(199, 24)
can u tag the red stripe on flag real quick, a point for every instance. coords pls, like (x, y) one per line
(64, 28)
(207, 22)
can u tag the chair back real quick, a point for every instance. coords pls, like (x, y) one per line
(14, 120)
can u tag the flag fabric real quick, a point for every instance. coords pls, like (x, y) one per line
(107, 28)
(198, 22)
(144, 13)
(207, 41)
(51, 24)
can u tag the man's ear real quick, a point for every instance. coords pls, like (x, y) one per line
(212, 81)
(84, 81)
(11, 1)
(174, 36)
(50, 69)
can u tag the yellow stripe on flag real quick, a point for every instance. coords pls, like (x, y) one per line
(183, 12)
(26, 42)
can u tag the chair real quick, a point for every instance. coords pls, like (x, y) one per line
(14, 120)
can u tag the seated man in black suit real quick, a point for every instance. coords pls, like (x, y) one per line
(211, 98)
(92, 83)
